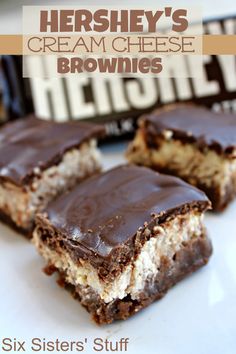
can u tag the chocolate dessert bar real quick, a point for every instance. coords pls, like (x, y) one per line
(121, 239)
(192, 143)
(38, 161)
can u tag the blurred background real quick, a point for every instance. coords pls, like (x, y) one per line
(59, 99)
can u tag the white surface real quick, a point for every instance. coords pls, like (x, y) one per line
(11, 10)
(197, 316)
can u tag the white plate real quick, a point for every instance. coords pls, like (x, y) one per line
(197, 316)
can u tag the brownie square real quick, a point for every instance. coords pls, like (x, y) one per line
(39, 160)
(193, 143)
(121, 239)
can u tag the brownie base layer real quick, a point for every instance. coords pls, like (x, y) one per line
(194, 255)
(27, 233)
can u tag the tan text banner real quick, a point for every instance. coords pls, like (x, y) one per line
(211, 44)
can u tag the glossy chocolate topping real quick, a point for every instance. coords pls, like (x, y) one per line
(106, 210)
(29, 143)
(216, 130)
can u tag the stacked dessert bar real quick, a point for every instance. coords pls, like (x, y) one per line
(121, 239)
(192, 143)
(38, 161)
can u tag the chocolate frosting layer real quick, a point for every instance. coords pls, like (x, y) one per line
(214, 130)
(105, 211)
(30, 142)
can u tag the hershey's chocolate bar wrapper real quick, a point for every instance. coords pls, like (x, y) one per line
(118, 102)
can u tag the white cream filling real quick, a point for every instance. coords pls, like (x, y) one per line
(209, 168)
(167, 241)
(21, 205)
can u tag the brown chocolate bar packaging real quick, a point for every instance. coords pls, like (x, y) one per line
(116, 101)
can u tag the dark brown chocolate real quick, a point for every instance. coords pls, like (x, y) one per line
(195, 124)
(105, 212)
(29, 143)
(218, 200)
